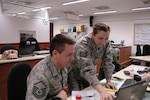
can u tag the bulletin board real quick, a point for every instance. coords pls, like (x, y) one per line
(142, 33)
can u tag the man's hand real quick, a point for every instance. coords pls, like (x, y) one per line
(103, 94)
(110, 85)
(62, 94)
(106, 96)
(66, 89)
(147, 76)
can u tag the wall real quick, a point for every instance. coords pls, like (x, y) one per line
(10, 26)
(122, 25)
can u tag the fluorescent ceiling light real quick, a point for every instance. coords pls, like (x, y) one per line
(54, 18)
(80, 15)
(23, 16)
(14, 14)
(106, 12)
(144, 8)
(21, 13)
(39, 9)
(73, 2)
(36, 9)
(45, 8)
(38, 17)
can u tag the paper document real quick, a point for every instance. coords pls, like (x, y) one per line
(115, 82)
(86, 95)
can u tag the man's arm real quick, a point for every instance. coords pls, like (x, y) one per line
(72, 81)
(103, 93)
(108, 66)
(37, 87)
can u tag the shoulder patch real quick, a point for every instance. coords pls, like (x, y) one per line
(39, 89)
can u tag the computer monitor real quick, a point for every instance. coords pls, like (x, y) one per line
(26, 48)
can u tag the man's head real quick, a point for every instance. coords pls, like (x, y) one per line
(62, 50)
(100, 34)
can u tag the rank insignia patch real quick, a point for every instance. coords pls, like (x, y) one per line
(39, 89)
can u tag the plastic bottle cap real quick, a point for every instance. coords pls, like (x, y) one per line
(78, 97)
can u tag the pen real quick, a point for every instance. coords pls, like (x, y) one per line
(117, 78)
(78, 97)
(88, 96)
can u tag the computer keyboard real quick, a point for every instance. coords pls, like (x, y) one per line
(128, 82)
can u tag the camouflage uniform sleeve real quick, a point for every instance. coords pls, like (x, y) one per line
(107, 62)
(37, 88)
(72, 81)
(84, 64)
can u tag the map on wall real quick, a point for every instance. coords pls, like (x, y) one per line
(142, 34)
(26, 34)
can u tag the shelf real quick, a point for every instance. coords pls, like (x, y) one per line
(77, 29)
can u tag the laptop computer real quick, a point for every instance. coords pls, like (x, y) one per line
(134, 91)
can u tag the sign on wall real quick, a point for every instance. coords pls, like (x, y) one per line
(24, 34)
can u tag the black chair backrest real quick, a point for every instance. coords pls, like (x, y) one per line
(31, 39)
(138, 50)
(28, 46)
(7, 47)
(16, 83)
(146, 50)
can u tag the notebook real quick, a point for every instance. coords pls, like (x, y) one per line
(132, 91)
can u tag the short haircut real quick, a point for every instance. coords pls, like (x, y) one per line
(100, 27)
(59, 41)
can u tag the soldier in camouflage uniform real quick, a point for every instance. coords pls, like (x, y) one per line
(88, 50)
(48, 78)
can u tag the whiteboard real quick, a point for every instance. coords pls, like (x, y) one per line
(142, 34)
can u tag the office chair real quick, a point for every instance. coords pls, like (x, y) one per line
(146, 50)
(138, 50)
(28, 46)
(16, 82)
(138, 53)
(7, 47)
(35, 42)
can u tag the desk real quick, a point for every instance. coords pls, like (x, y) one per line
(120, 74)
(142, 59)
(5, 66)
